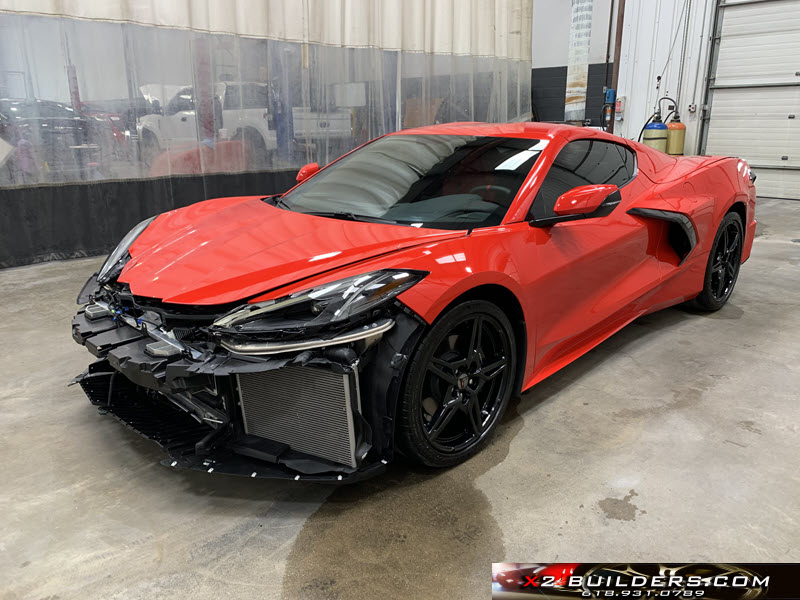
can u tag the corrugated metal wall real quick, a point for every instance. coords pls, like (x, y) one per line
(652, 33)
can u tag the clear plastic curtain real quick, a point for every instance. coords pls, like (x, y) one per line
(84, 99)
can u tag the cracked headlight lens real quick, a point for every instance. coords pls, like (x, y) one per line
(329, 303)
(119, 256)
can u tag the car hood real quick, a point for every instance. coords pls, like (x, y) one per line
(229, 249)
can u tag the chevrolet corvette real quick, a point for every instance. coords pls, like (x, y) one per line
(392, 302)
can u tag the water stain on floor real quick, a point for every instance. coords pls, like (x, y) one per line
(621, 510)
(749, 426)
(413, 532)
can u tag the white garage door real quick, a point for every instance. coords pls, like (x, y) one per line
(755, 93)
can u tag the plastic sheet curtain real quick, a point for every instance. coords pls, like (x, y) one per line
(93, 91)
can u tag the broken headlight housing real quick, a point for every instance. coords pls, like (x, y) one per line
(119, 256)
(336, 303)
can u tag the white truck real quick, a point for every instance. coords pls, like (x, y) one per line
(245, 109)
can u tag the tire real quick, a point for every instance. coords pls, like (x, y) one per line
(256, 150)
(458, 384)
(149, 148)
(724, 262)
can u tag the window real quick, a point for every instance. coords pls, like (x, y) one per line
(439, 181)
(583, 162)
(246, 95)
(183, 101)
(254, 95)
(233, 97)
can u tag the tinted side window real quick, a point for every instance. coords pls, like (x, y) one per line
(254, 96)
(583, 162)
(233, 99)
(183, 100)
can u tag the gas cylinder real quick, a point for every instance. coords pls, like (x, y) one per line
(676, 135)
(655, 134)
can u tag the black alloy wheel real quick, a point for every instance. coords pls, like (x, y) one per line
(458, 384)
(724, 262)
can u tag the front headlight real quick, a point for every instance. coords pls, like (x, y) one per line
(331, 303)
(119, 256)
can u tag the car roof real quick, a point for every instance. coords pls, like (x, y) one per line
(524, 129)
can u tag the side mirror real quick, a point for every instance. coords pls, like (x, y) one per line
(307, 171)
(583, 200)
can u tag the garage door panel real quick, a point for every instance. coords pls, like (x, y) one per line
(759, 58)
(759, 42)
(777, 183)
(759, 18)
(753, 123)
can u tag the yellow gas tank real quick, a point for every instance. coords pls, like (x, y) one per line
(676, 136)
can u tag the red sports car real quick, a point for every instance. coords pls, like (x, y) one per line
(395, 300)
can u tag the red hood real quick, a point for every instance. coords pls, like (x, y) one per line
(228, 249)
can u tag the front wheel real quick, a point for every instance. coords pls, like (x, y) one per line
(723, 265)
(458, 385)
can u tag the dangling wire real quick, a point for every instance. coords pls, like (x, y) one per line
(675, 38)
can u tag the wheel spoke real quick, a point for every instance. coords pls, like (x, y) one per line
(720, 286)
(734, 244)
(442, 417)
(493, 370)
(724, 240)
(444, 370)
(475, 416)
(475, 338)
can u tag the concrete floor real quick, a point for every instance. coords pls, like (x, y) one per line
(677, 439)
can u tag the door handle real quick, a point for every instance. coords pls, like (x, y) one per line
(183, 118)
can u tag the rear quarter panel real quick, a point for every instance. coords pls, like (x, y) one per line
(705, 195)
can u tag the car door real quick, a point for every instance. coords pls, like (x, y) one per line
(592, 273)
(179, 123)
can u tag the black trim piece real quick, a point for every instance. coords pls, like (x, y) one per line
(673, 217)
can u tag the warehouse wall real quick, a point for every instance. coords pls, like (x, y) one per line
(550, 58)
(651, 28)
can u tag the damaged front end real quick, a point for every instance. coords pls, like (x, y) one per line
(302, 387)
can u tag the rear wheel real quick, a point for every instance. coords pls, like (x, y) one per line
(723, 265)
(458, 385)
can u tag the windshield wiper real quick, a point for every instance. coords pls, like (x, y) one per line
(348, 216)
(277, 201)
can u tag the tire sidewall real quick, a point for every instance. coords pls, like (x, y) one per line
(411, 437)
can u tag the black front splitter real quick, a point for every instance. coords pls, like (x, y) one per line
(234, 464)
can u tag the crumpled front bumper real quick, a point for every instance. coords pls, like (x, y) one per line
(220, 412)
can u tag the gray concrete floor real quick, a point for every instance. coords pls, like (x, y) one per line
(677, 439)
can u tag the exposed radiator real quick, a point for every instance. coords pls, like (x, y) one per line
(307, 408)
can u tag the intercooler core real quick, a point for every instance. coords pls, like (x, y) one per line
(308, 409)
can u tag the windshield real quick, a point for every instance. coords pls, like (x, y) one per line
(436, 181)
